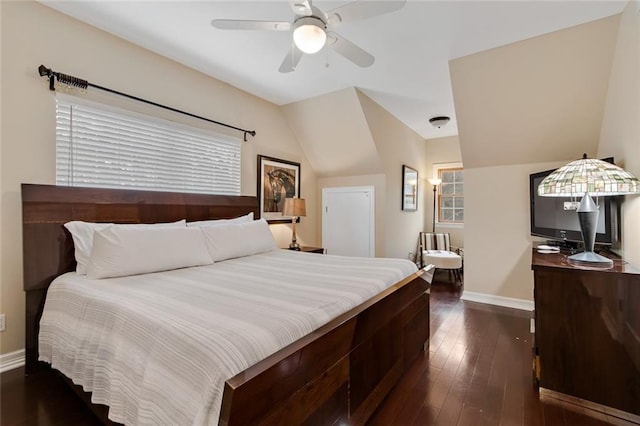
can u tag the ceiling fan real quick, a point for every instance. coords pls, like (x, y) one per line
(312, 29)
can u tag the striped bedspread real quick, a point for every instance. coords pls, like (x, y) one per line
(157, 348)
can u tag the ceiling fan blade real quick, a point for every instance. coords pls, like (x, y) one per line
(352, 52)
(301, 7)
(236, 24)
(291, 60)
(362, 10)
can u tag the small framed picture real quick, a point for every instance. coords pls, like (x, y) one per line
(277, 180)
(409, 188)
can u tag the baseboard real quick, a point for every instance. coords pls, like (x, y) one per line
(507, 302)
(11, 360)
(592, 409)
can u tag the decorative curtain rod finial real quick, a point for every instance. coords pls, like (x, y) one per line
(44, 71)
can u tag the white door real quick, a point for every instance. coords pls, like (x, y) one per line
(348, 226)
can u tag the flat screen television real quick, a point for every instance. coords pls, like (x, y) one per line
(549, 218)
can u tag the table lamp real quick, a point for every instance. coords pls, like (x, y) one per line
(294, 207)
(588, 177)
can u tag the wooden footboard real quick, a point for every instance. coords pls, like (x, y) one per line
(340, 373)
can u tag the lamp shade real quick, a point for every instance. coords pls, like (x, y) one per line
(587, 175)
(294, 207)
(435, 181)
(309, 34)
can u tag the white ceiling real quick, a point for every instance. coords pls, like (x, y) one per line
(412, 47)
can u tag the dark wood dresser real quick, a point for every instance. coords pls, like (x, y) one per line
(587, 335)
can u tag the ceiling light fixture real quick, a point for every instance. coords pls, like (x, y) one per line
(439, 121)
(309, 34)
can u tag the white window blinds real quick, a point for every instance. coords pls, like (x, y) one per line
(106, 147)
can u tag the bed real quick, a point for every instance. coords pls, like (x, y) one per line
(325, 377)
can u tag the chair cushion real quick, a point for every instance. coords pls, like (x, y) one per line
(442, 259)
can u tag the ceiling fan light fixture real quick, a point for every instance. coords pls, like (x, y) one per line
(309, 34)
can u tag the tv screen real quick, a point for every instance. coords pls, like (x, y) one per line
(549, 218)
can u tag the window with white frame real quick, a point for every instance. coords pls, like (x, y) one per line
(451, 193)
(106, 147)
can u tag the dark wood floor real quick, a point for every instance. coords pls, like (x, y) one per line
(477, 372)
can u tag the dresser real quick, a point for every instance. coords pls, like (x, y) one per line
(587, 334)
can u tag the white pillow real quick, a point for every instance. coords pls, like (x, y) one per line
(82, 233)
(238, 239)
(121, 251)
(217, 222)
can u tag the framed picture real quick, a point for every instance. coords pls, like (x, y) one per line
(409, 188)
(277, 180)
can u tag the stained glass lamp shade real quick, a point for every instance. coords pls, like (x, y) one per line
(588, 177)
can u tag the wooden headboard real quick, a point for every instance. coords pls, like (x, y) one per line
(48, 247)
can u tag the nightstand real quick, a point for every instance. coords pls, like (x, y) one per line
(309, 249)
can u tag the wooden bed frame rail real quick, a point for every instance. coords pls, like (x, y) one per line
(340, 373)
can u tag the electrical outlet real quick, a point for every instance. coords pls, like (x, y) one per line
(3, 324)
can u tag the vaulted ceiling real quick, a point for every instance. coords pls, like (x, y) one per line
(412, 46)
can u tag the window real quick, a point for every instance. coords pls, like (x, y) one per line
(451, 194)
(107, 147)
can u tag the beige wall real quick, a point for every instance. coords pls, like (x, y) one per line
(397, 145)
(33, 34)
(536, 100)
(334, 134)
(1, 209)
(497, 241)
(358, 143)
(620, 135)
(442, 150)
(522, 108)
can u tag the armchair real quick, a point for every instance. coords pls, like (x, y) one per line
(436, 249)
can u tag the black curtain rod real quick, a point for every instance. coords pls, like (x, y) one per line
(83, 84)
